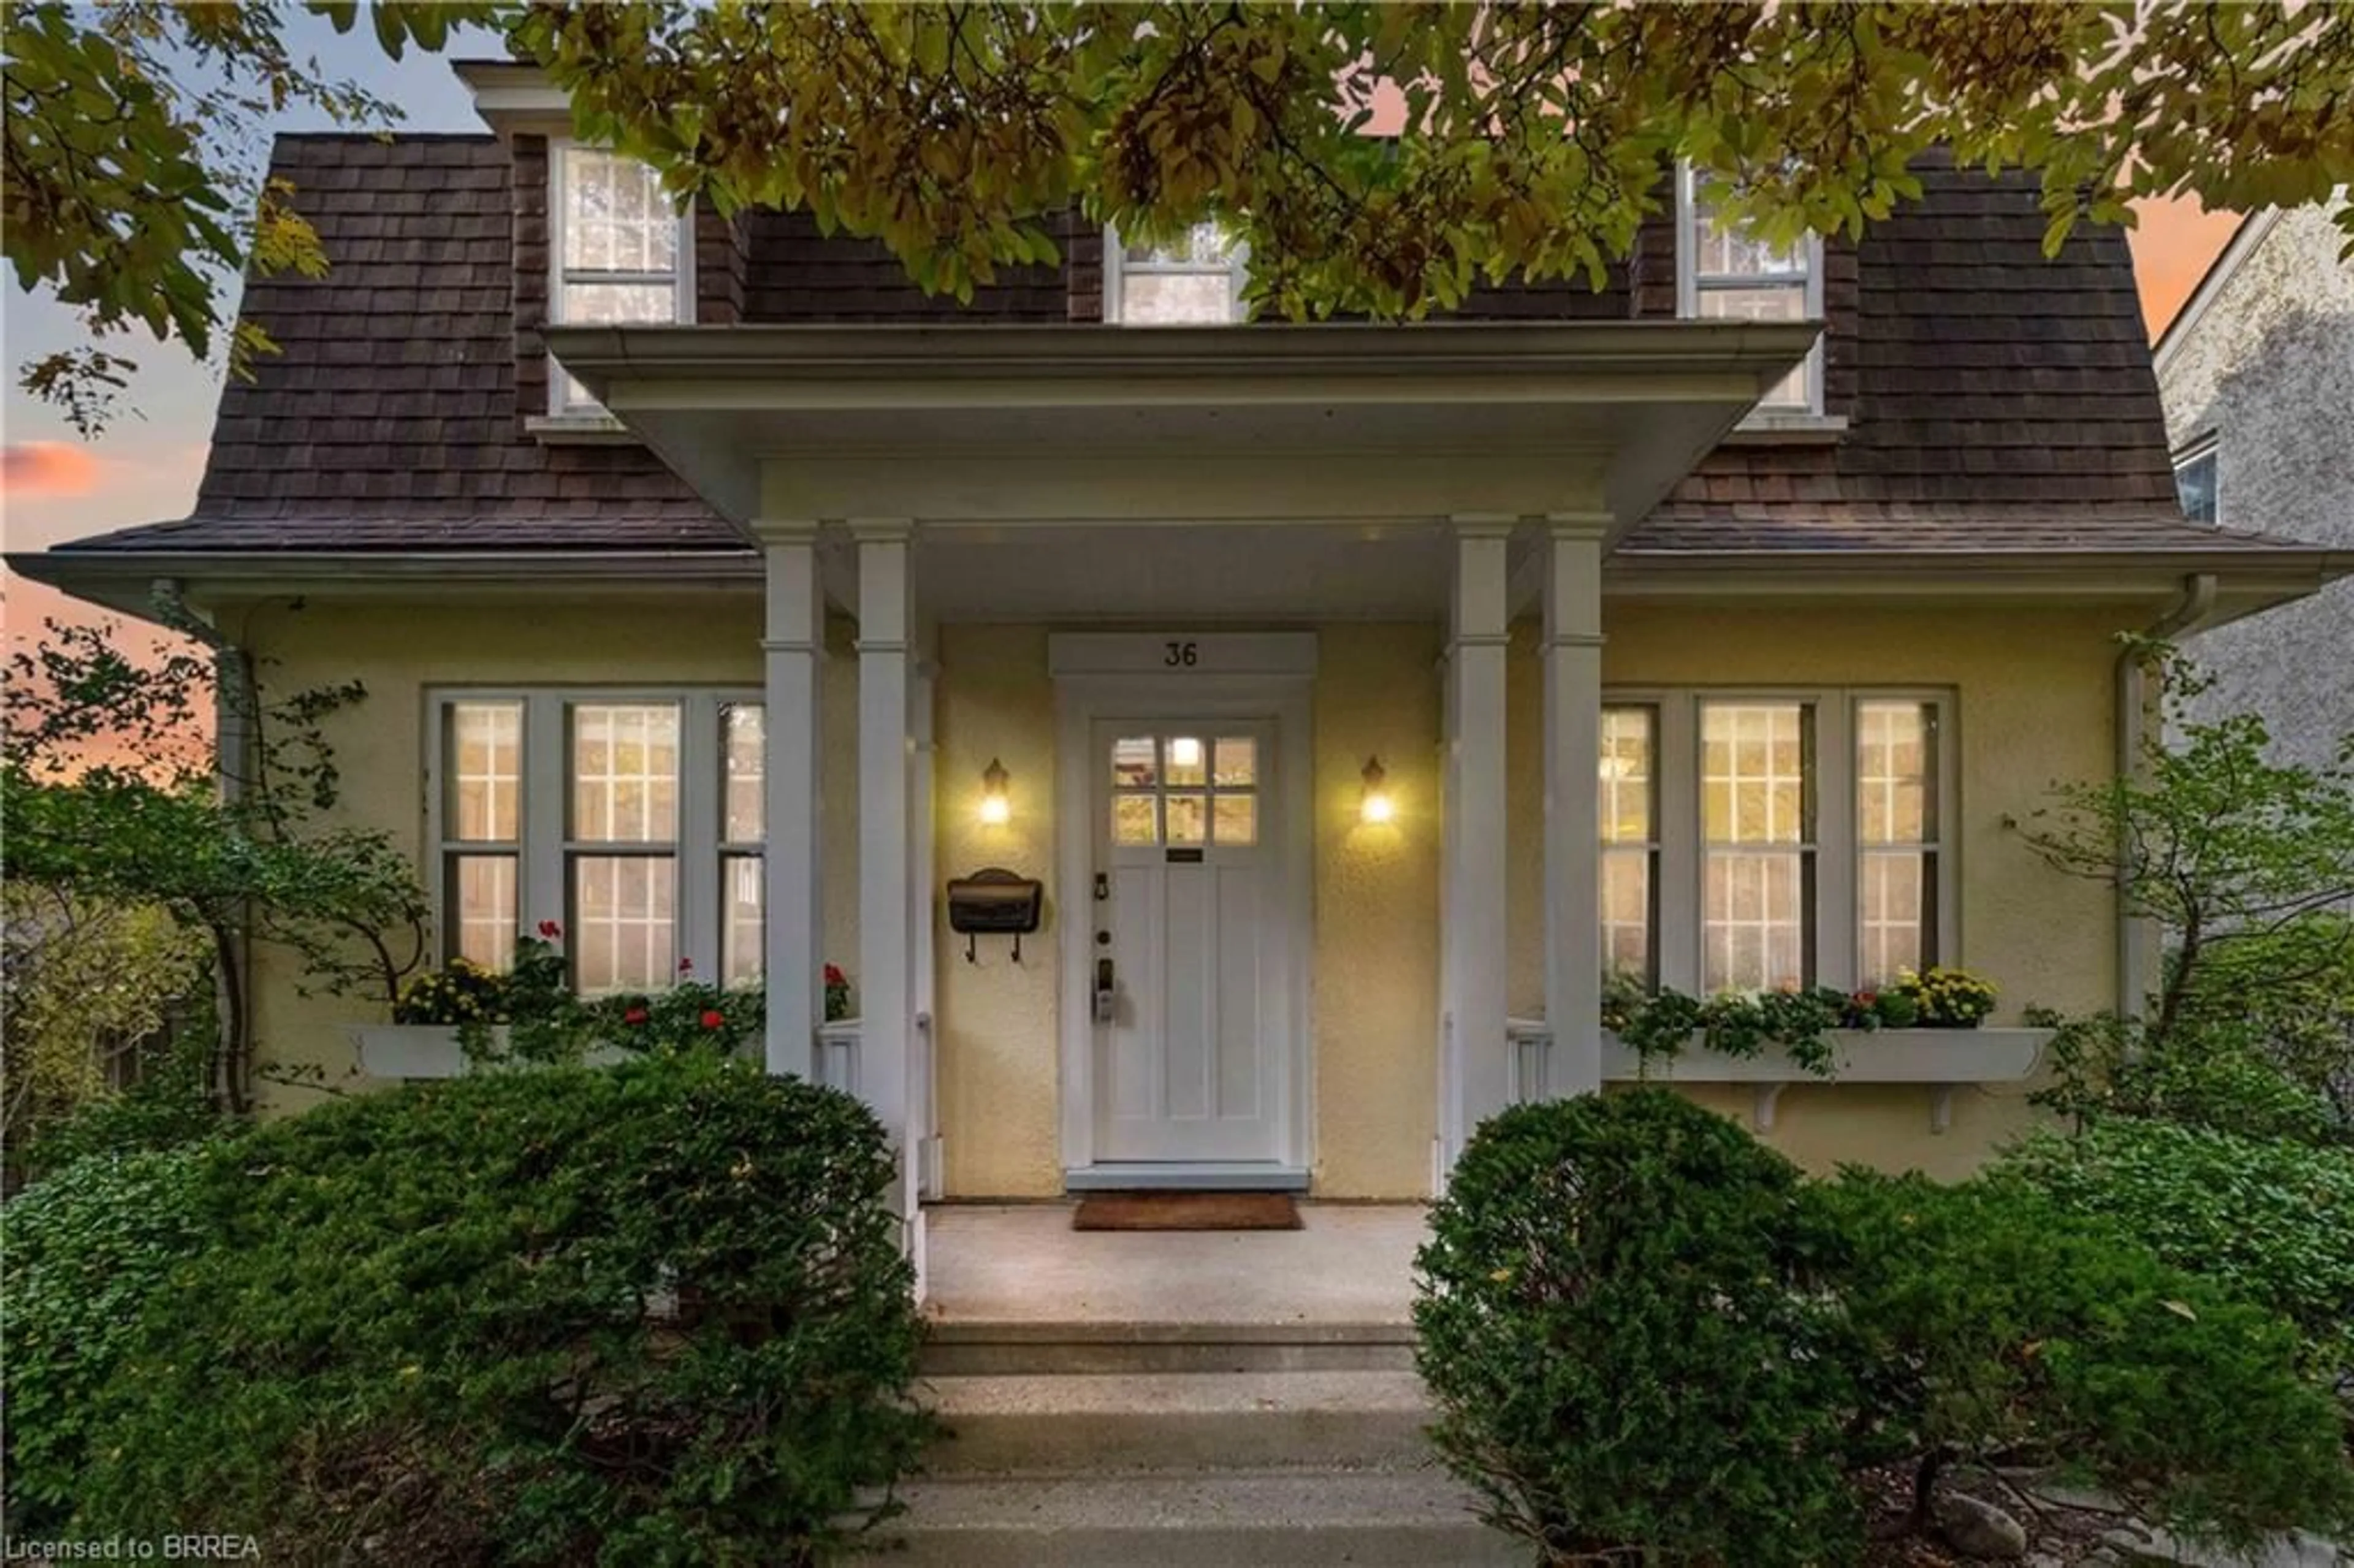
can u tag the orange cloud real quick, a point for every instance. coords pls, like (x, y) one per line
(46, 468)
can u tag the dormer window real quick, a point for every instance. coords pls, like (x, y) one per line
(1196, 281)
(622, 252)
(1724, 275)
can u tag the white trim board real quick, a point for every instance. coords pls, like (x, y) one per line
(1080, 699)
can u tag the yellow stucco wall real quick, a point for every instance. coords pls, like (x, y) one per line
(2032, 705)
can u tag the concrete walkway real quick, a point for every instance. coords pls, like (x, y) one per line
(1353, 1263)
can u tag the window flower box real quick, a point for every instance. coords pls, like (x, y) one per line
(1940, 1060)
(433, 1050)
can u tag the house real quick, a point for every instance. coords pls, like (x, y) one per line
(1348, 690)
(2257, 375)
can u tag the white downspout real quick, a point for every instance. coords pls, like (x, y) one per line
(2186, 616)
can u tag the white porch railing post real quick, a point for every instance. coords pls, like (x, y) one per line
(1476, 1057)
(793, 650)
(1573, 742)
(885, 783)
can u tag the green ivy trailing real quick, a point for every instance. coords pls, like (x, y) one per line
(651, 1314)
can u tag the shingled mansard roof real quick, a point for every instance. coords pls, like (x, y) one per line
(1998, 402)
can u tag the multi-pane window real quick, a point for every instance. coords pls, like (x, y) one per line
(1195, 281)
(1758, 848)
(1723, 274)
(622, 252)
(632, 820)
(2194, 483)
(1895, 836)
(1753, 841)
(622, 851)
(1628, 801)
(481, 828)
(1183, 790)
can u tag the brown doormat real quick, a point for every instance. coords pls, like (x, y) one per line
(1187, 1212)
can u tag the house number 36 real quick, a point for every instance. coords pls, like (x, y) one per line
(1182, 656)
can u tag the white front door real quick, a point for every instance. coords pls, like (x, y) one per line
(1190, 1046)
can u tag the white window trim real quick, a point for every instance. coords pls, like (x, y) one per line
(558, 153)
(1680, 901)
(543, 823)
(1117, 267)
(2205, 449)
(1688, 287)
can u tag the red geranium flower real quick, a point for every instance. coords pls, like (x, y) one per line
(550, 929)
(634, 1015)
(685, 965)
(713, 1019)
(833, 975)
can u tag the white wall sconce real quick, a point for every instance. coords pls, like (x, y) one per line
(1376, 807)
(995, 808)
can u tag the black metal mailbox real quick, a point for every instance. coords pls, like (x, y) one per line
(994, 902)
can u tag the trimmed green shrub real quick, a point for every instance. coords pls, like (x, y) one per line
(655, 1314)
(1615, 1324)
(86, 1249)
(2270, 1219)
(1988, 1322)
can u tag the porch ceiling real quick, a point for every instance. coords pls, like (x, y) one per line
(1335, 423)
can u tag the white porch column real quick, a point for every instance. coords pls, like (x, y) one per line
(1477, 1060)
(886, 997)
(1572, 740)
(793, 650)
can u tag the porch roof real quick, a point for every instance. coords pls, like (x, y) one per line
(1063, 423)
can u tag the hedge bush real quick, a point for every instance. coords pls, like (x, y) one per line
(1651, 1339)
(1615, 1327)
(1988, 1322)
(87, 1248)
(2269, 1219)
(655, 1314)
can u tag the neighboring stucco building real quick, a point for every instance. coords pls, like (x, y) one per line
(723, 597)
(2257, 374)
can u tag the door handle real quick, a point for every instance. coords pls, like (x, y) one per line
(1106, 992)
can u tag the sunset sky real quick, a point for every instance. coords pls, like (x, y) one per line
(54, 487)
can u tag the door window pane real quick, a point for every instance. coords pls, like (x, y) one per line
(1135, 820)
(1132, 766)
(1237, 762)
(743, 733)
(480, 924)
(484, 773)
(1188, 819)
(625, 773)
(1235, 819)
(1188, 761)
(623, 927)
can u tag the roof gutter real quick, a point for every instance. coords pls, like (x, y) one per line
(2134, 933)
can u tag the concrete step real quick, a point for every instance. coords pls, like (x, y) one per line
(1296, 1519)
(1051, 1425)
(968, 1348)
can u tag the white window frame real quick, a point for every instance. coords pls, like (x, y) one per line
(1679, 904)
(2207, 449)
(1117, 267)
(559, 155)
(543, 890)
(1690, 283)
